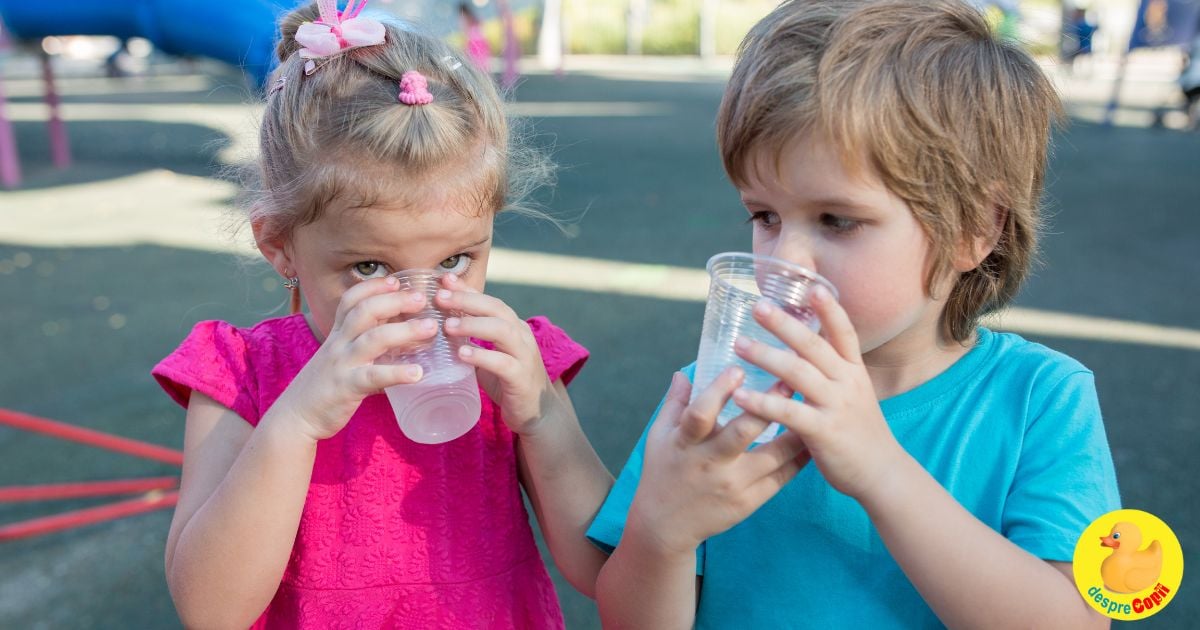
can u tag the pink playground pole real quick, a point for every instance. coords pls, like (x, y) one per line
(10, 168)
(512, 50)
(60, 149)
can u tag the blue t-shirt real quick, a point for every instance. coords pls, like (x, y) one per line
(1012, 430)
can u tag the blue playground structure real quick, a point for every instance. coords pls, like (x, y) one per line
(238, 32)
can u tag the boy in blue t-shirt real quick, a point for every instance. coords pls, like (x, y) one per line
(935, 472)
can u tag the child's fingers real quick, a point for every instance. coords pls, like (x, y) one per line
(384, 338)
(700, 416)
(509, 336)
(378, 308)
(373, 378)
(797, 417)
(835, 325)
(735, 437)
(797, 373)
(503, 365)
(798, 336)
(676, 400)
(766, 459)
(462, 298)
(769, 485)
(360, 292)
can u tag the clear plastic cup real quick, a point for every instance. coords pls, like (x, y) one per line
(737, 281)
(445, 403)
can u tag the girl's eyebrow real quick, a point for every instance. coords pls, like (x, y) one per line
(379, 252)
(478, 243)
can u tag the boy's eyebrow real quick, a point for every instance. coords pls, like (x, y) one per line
(840, 203)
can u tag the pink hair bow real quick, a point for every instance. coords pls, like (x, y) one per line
(337, 31)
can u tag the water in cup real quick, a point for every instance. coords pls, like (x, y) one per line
(737, 282)
(445, 403)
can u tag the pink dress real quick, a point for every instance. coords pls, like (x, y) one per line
(394, 534)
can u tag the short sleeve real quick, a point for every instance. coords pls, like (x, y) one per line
(1064, 478)
(563, 356)
(212, 360)
(606, 529)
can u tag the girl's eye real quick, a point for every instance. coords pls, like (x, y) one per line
(839, 225)
(456, 264)
(764, 219)
(370, 269)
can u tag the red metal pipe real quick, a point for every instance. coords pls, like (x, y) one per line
(45, 492)
(88, 516)
(90, 437)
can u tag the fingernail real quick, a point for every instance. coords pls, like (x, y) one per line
(452, 277)
(466, 351)
(393, 281)
(736, 373)
(428, 324)
(414, 372)
(445, 295)
(452, 322)
(764, 307)
(416, 297)
(740, 395)
(742, 343)
(820, 293)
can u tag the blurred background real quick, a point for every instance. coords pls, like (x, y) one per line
(118, 118)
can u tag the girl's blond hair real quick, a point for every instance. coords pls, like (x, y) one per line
(954, 121)
(341, 133)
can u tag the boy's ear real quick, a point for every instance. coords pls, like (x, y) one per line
(972, 251)
(274, 249)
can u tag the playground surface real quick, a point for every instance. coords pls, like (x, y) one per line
(105, 267)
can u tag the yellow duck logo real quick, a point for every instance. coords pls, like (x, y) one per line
(1129, 569)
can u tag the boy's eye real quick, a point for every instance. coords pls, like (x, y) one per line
(369, 269)
(457, 264)
(764, 218)
(840, 225)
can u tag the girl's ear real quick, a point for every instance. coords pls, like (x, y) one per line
(973, 251)
(273, 248)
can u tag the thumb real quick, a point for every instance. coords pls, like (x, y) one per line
(674, 403)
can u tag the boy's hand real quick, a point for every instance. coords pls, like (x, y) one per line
(513, 373)
(839, 420)
(698, 479)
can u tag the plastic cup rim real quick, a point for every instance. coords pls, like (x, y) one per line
(753, 258)
(417, 271)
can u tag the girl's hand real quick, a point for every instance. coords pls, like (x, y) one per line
(513, 373)
(343, 371)
(698, 479)
(839, 420)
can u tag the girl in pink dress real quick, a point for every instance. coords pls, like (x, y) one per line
(302, 504)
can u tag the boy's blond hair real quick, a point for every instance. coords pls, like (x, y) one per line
(954, 121)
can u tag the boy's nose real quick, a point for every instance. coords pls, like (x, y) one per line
(797, 253)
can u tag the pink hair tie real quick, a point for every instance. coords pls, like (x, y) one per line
(414, 89)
